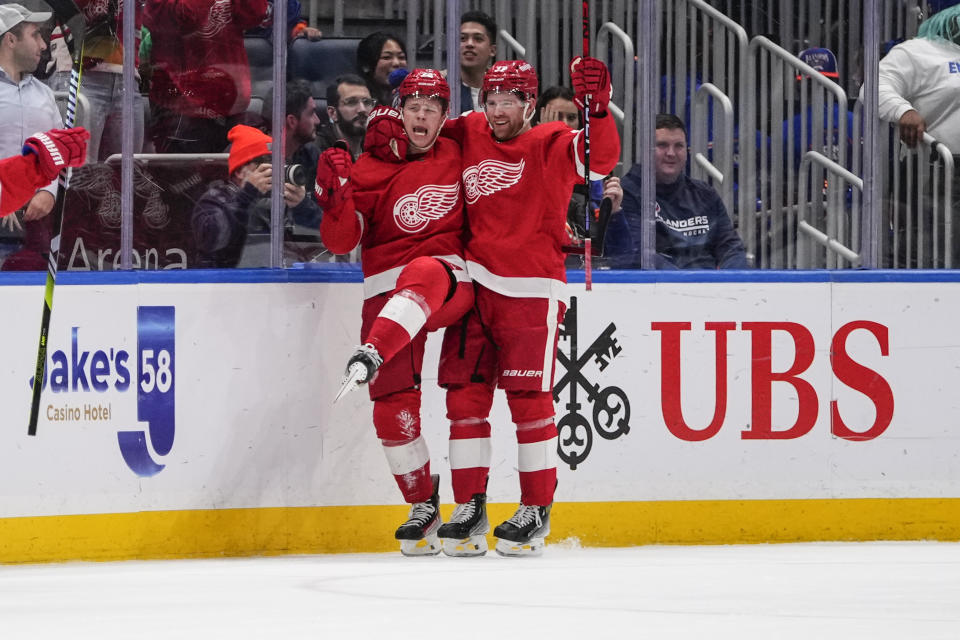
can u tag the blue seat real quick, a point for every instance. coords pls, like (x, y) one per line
(260, 58)
(320, 62)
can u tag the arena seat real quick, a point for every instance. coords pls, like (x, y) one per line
(260, 57)
(320, 62)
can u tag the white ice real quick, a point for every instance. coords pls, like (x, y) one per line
(810, 591)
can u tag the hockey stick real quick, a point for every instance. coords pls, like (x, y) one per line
(587, 244)
(73, 27)
(599, 230)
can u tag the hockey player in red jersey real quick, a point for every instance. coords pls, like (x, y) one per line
(404, 208)
(517, 184)
(44, 156)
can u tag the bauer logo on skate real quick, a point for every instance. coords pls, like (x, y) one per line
(430, 202)
(70, 376)
(490, 176)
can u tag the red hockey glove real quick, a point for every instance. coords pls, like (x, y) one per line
(386, 139)
(333, 178)
(58, 149)
(591, 79)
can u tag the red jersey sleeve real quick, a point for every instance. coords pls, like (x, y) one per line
(19, 180)
(455, 128)
(604, 148)
(249, 13)
(341, 228)
(188, 14)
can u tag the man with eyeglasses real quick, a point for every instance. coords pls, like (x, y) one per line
(517, 183)
(348, 105)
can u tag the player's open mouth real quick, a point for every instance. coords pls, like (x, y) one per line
(420, 131)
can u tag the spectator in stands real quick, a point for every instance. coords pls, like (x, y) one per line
(918, 82)
(222, 215)
(297, 26)
(377, 55)
(478, 49)
(299, 149)
(918, 91)
(556, 103)
(102, 84)
(348, 105)
(26, 107)
(201, 77)
(825, 62)
(693, 228)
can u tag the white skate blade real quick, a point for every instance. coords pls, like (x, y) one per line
(473, 546)
(352, 381)
(428, 545)
(529, 549)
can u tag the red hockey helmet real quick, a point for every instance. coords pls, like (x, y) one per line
(425, 83)
(510, 75)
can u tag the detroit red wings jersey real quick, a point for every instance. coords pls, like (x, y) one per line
(517, 193)
(402, 211)
(19, 180)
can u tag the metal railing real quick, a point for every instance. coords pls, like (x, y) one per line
(624, 81)
(704, 46)
(918, 205)
(834, 24)
(828, 209)
(712, 159)
(799, 109)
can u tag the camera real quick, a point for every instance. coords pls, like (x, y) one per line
(295, 174)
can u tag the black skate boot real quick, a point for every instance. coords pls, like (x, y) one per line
(418, 535)
(466, 533)
(523, 534)
(361, 367)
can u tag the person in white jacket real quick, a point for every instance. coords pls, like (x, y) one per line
(919, 87)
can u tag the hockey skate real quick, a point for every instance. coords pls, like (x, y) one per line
(361, 367)
(465, 534)
(524, 533)
(418, 535)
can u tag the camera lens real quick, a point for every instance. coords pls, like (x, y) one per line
(295, 174)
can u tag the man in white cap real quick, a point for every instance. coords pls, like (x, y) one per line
(26, 105)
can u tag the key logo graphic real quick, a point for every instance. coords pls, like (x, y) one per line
(609, 407)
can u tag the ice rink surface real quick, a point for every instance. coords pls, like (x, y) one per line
(825, 590)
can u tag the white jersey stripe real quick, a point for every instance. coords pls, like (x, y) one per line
(387, 280)
(549, 354)
(537, 456)
(406, 458)
(579, 163)
(360, 220)
(470, 453)
(517, 287)
(405, 312)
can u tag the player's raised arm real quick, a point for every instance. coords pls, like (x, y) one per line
(591, 83)
(340, 227)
